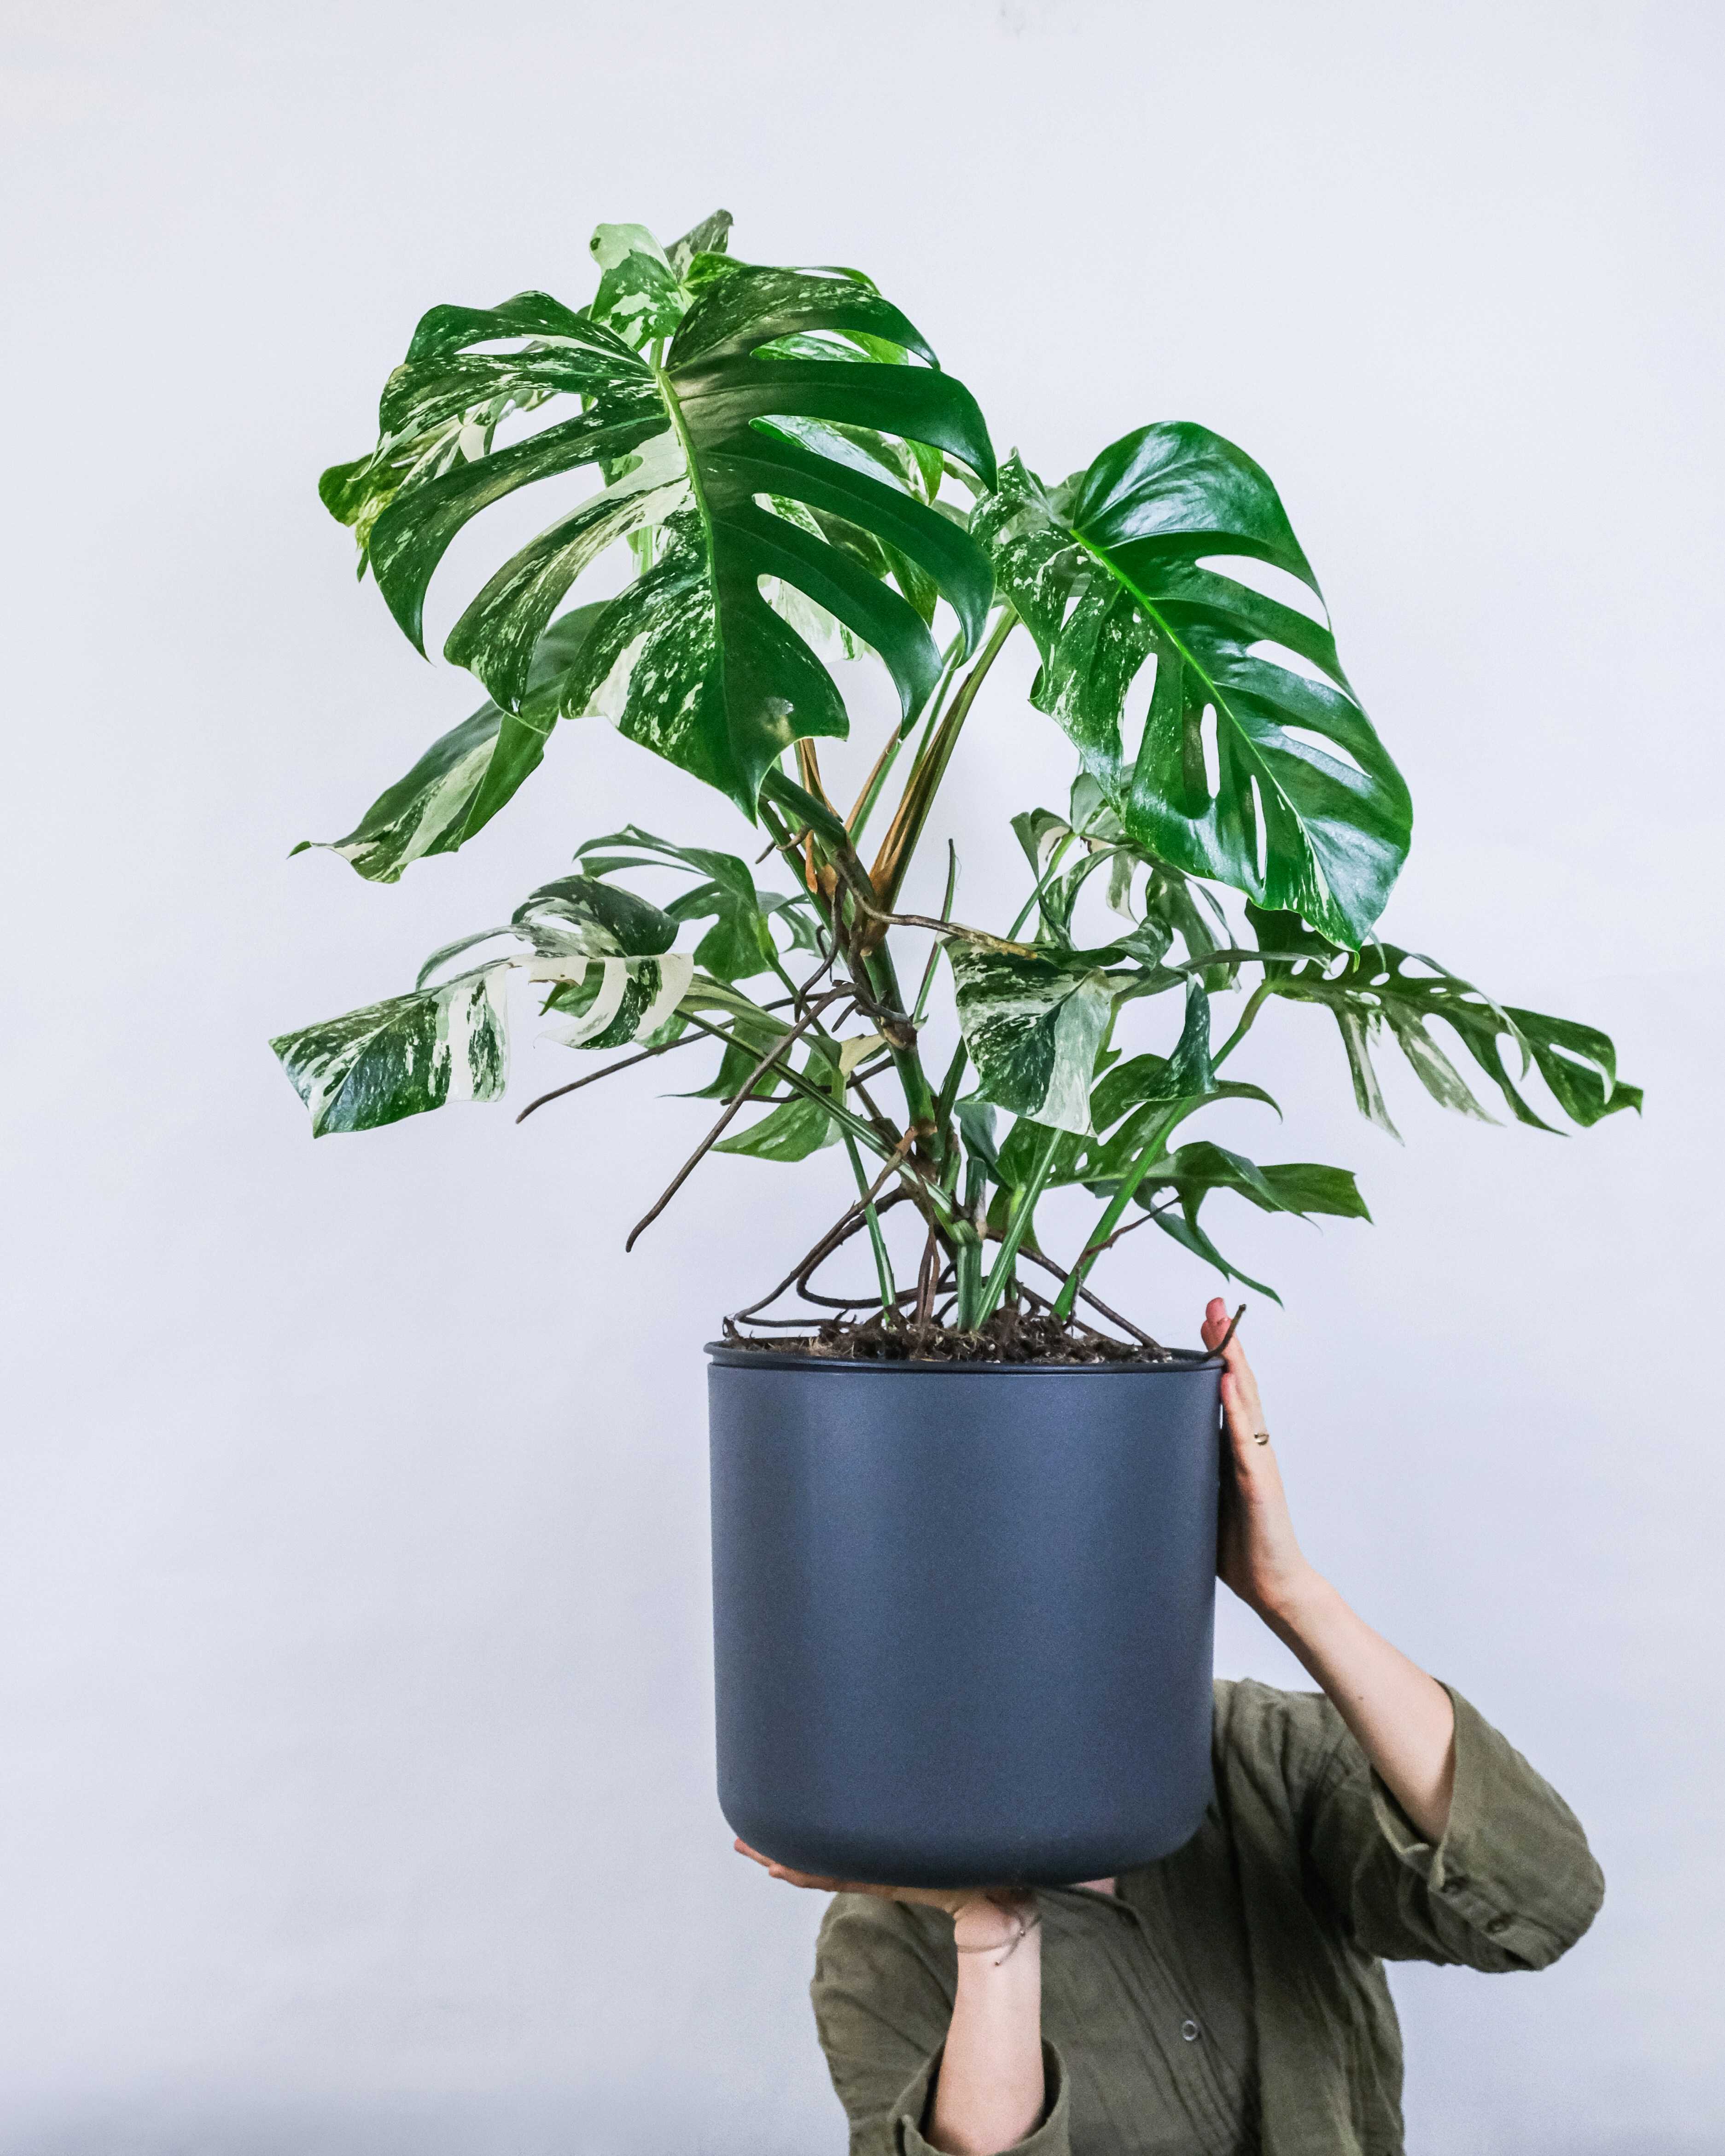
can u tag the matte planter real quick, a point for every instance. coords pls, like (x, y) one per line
(963, 1616)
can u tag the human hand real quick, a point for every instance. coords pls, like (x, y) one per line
(983, 1916)
(1257, 1553)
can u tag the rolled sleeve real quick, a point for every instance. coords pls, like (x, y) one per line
(1052, 2138)
(1511, 1885)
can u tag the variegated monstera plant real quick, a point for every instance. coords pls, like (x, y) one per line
(790, 472)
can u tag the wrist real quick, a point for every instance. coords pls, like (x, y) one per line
(1293, 1606)
(984, 1928)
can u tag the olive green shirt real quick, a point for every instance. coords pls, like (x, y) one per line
(1231, 1998)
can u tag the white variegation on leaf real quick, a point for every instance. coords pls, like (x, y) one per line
(430, 811)
(1032, 1026)
(403, 1056)
(695, 659)
(587, 918)
(852, 1052)
(633, 997)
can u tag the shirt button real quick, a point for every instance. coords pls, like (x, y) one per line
(1499, 1925)
(1190, 2031)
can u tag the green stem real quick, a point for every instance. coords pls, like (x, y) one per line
(1153, 1150)
(934, 955)
(883, 1263)
(913, 1079)
(866, 808)
(967, 1258)
(949, 1088)
(1043, 882)
(995, 1285)
(930, 768)
(1255, 1003)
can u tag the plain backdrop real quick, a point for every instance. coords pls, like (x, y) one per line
(355, 1771)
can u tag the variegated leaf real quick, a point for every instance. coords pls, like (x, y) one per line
(404, 1056)
(692, 661)
(596, 919)
(1032, 1026)
(1308, 813)
(465, 777)
(640, 295)
(1383, 986)
(616, 1000)
(739, 944)
(712, 236)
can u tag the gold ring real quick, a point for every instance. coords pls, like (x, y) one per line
(1260, 1437)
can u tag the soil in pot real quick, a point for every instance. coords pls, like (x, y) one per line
(1011, 1335)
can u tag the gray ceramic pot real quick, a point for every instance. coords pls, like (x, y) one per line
(963, 1616)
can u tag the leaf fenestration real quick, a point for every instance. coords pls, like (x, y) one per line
(1106, 573)
(691, 660)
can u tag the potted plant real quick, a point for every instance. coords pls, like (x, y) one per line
(972, 1481)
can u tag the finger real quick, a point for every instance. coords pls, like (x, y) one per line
(777, 1870)
(1216, 1322)
(1243, 1417)
(1244, 1385)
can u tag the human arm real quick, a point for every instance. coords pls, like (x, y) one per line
(883, 2013)
(1403, 1720)
(1432, 1834)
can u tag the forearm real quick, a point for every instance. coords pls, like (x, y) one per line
(1402, 1718)
(990, 2095)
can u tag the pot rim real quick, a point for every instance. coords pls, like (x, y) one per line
(727, 1357)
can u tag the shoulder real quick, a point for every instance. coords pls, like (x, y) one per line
(1267, 1736)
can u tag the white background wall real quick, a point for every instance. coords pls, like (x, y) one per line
(356, 1776)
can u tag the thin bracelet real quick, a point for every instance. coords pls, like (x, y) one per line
(1024, 1932)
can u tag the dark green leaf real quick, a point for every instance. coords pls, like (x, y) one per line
(1107, 577)
(791, 1131)
(1190, 1236)
(1024, 1145)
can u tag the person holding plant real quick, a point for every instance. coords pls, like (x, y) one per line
(789, 477)
(1232, 1996)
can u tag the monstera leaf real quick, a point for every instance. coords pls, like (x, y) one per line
(740, 943)
(402, 1057)
(1383, 989)
(1187, 1178)
(1307, 814)
(690, 660)
(466, 775)
(1032, 1022)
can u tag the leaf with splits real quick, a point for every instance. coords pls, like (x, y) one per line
(690, 660)
(1306, 812)
(466, 775)
(1382, 989)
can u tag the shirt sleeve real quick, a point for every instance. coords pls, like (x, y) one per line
(883, 1989)
(1511, 1885)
